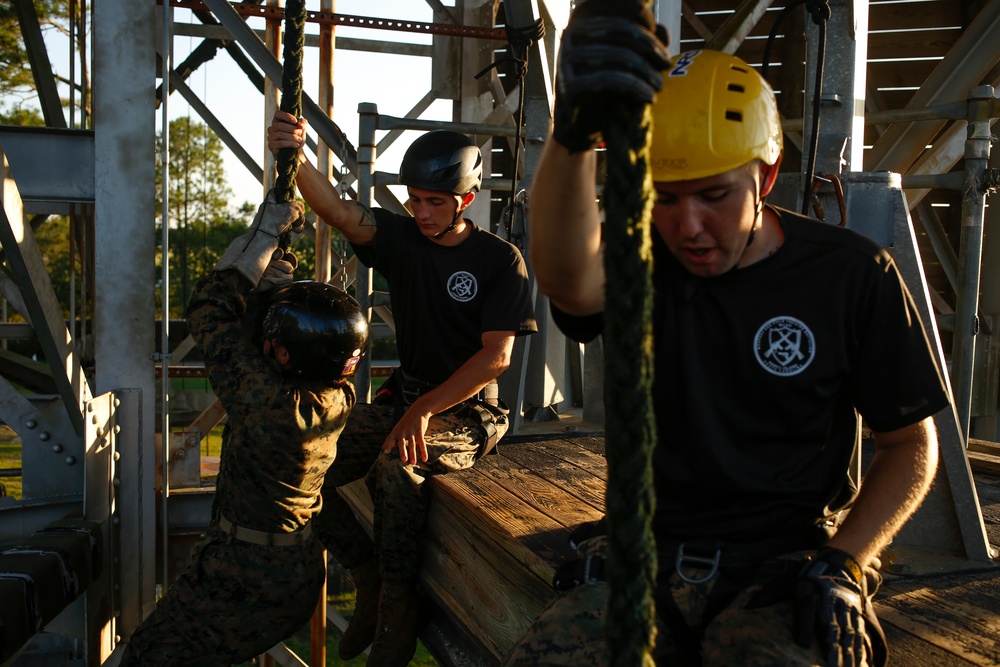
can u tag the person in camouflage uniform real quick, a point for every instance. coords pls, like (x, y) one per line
(460, 296)
(255, 577)
(773, 336)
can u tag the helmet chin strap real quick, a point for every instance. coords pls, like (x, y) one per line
(454, 223)
(449, 228)
(758, 209)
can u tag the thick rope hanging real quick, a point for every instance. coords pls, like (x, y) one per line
(630, 423)
(291, 94)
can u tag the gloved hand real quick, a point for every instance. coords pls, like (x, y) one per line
(590, 540)
(829, 603)
(611, 50)
(279, 271)
(250, 253)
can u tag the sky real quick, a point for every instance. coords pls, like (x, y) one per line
(395, 83)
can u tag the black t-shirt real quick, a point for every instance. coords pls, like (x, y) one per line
(760, 375)
(445, 298)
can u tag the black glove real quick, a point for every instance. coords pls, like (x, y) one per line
(829, 604)
(588, 530)
(590, 541)
(611, 50)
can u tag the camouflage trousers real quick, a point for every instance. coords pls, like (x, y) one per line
(234, 601)
(571, 630)
(454, 439)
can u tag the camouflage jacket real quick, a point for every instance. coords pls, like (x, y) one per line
(281, 434)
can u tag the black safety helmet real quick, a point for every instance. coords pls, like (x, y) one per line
(324, 329)
(443, 160)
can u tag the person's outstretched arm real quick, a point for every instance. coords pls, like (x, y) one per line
(565, 248)
(479, 370)
(351, 219)
(610, 50)
(894, 485)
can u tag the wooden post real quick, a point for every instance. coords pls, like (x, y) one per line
(317, 628)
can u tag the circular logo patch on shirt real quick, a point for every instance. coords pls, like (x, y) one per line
(462, 286)
(784, 346)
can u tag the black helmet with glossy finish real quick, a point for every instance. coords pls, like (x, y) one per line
(324, 329)
(444, 161)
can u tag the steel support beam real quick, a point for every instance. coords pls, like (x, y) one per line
(367, 124)
(53, 167)
(736, 28)
(668, 14)
(343, 43)
(970, 59)
(43, 309)
(950, 520)
(839, 147)
(41, 68)
(948, 149)
(540, 360)
(319, 121)
(124, 290)
(324, 156)
(970, 253)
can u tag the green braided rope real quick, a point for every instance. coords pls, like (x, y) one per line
(291, 94)
(630, 426)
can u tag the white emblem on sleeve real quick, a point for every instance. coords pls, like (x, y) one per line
(462, 286)
(784, 346)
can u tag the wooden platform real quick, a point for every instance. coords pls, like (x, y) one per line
(497, 532)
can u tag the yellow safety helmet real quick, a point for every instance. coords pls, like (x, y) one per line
(714, 113)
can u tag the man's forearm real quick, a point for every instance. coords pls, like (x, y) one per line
(565, 250)
(478, 371)
(896, 482)
(342, 214)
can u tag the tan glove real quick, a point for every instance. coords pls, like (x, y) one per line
(250, 253)
(278, 272)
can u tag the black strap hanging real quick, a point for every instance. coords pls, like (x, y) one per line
(519, 42)
(820, 12)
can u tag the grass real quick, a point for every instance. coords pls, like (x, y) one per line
(10, 457)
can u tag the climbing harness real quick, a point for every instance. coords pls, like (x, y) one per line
(514, 218)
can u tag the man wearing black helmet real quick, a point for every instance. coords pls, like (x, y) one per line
(459, 297)
(255, 577)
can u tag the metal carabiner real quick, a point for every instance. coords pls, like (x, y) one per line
(697, 563)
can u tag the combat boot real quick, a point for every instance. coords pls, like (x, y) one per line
(398, 618)
(361, 631)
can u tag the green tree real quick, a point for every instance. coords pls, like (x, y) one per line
(200, 221)
(18, 96)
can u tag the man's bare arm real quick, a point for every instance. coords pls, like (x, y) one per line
(894, 485)
(565, 250)
(351, 219)
(478, 371)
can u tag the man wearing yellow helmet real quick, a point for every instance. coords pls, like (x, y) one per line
(773, 333)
